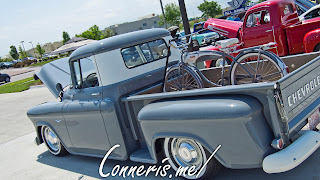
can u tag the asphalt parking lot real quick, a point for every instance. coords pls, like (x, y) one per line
(22, 159)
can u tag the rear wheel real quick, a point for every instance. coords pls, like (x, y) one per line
(181, 78)
(184, 152)
(248, 69)
(52, 142)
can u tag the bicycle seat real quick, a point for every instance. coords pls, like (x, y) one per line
(227, 42)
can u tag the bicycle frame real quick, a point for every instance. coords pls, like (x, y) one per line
(188, 58)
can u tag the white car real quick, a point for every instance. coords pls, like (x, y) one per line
(311, 13)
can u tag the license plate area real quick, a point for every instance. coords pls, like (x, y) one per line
(313, 120)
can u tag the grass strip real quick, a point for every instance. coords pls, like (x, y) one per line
(18, 86)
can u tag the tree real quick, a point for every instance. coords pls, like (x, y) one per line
(172, 15)
(13, 52)
(210, 9)
(107, 33)
(22, 54)
(65, 37)
(39, 50)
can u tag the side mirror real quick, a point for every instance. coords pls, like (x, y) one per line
(60, 90)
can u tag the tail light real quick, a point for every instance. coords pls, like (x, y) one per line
(277, 143)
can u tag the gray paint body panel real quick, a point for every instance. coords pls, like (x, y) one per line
(209, 120)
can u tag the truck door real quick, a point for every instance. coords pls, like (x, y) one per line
(83, 117)
(258, 29)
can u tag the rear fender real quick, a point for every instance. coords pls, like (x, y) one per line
(234, 121)
(310, 40)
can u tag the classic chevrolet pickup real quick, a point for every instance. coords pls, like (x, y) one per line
(115, 98)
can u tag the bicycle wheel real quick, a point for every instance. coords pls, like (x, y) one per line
(179, 81)
(248, 69)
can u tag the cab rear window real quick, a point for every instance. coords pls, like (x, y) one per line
(287, 9)
(144, 53)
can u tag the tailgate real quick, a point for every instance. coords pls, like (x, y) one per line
(299, 92)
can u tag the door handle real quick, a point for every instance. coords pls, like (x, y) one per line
(269, 30)
(96, 94)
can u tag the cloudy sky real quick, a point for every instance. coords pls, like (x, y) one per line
(44, 21)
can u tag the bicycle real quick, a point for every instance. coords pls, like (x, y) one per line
(251, 65)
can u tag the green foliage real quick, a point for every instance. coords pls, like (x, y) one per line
(41, 63)
(107, 33)
(65, 37)
(210, 9)
(95, 33)
(39, 50)
(172, 15)
(18, 86)
(13, 52)
(22, 54)
(260, 1)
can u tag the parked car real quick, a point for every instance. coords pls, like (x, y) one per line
(311, 13)
(110, 106)
(29, 58)
(4, 77)
(7, 64)
(264, 23)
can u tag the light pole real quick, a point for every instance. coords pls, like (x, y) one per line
(23, 48)
(164, 17)
(33, 49)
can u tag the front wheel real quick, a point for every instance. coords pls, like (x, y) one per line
(252, 67)
(179, 78)
(184, 152)
(52, 142)
(7, 79)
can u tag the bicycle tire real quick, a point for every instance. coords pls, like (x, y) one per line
(270, 69)
(174, 83)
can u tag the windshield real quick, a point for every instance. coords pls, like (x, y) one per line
(306, 3)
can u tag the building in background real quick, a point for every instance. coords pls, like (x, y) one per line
(48, 47)
(145, 22)
(72, 45)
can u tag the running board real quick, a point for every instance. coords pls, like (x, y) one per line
(143, 156)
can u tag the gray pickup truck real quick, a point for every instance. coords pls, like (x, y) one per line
(115, 98)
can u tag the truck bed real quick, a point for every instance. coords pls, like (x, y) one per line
(152, 111)
(264, 92)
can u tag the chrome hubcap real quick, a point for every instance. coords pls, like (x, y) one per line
(52, 139)
(187, 152)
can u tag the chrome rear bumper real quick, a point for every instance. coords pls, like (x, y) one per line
(293, 155)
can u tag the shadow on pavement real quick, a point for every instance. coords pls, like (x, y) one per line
(89, 166)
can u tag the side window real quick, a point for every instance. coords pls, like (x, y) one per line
(85, 73)
(144, 53)
(258, 18)
(287, 9)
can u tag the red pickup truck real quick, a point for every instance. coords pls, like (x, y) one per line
(271, 21)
